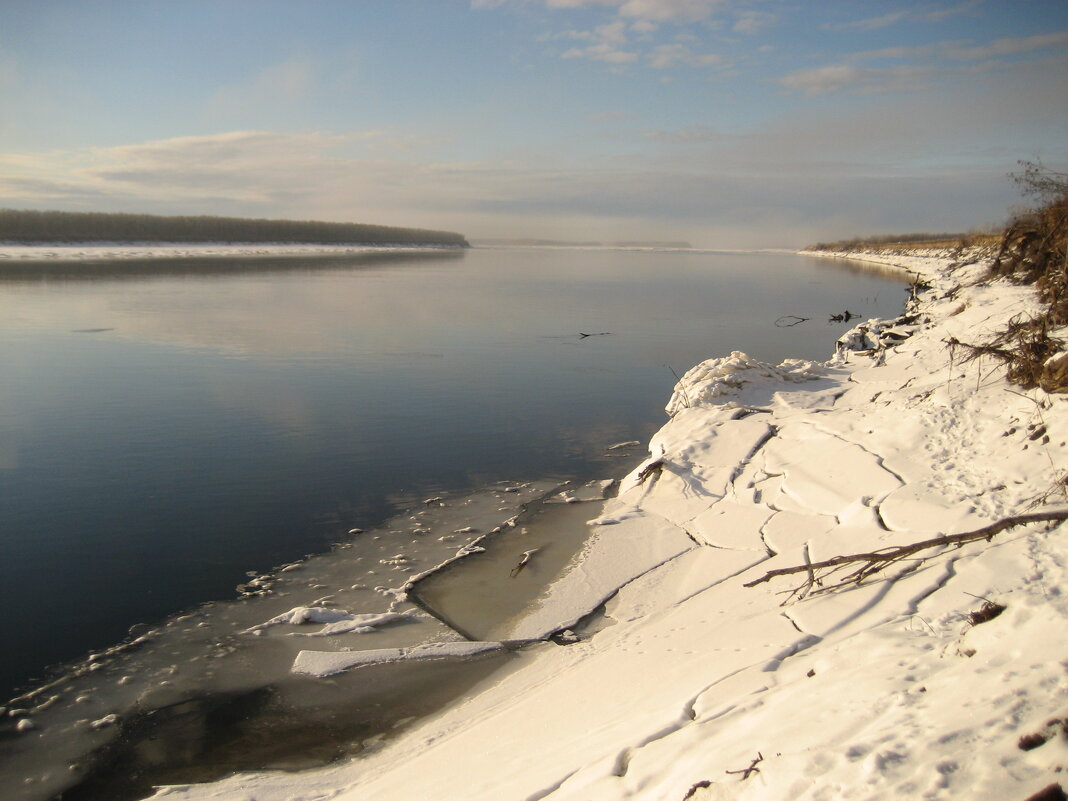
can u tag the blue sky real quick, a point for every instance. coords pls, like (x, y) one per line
(729, 123)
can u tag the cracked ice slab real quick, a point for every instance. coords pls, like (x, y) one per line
(917, 508)
(824, 473)
(710, 438)
(327, 663)
(619, 550)
(729, 524)
(702, 452)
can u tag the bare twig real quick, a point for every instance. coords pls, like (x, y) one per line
(652, 469)
(523, 561)
(878, 561)
(747, 772)
(681, 386)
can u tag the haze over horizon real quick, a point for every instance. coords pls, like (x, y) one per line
(726, 123)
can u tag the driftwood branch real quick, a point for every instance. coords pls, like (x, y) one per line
(877, 561)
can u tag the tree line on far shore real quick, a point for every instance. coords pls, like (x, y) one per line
(26, 226)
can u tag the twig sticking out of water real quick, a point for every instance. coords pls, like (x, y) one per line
(523, 561)
(844, 317)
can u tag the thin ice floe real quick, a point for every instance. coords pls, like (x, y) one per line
(337, 621)
(707, 689)
(618, 552)
(328, 663)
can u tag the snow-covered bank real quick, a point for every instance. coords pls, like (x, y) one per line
(108, 251)
(707, 689)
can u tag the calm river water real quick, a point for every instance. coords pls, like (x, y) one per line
(167, 426)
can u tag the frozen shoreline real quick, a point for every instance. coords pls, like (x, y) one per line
(882, 690)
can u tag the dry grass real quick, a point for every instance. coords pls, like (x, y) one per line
(1034, 250)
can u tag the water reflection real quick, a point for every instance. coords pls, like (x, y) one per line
(34, 270)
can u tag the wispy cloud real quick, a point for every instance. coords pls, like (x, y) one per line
(288, 81)
(652, 10)
(839, 77)
(688, 134)
(753, 21)
(869, 23)
(931, 61)
(672, 55)
(607, 45)
(940, 14)
(1009, 46)
(928, 14)
(636, 31)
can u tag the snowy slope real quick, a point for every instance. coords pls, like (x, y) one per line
(883, 690)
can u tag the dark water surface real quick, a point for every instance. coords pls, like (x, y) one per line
(167, 426)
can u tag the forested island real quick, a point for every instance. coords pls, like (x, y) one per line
(28, 226)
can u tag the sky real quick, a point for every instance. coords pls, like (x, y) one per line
(725, 123)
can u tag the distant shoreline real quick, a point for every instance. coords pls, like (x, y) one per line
(554, 243)
(28, 227)
(14, 253)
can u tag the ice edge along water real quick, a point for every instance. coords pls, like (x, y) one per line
(706, 689)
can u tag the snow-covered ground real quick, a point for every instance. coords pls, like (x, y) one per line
(108, 251)
(703, 688)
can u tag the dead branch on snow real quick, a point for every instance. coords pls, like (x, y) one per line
(878, 561)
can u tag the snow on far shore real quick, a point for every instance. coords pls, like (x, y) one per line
(106, 251)
(706, 689)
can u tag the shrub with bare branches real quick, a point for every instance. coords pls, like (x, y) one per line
(1034, 250)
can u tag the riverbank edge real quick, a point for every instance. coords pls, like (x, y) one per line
(707, 689)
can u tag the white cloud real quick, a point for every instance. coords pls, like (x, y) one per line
(840, 77)
(957, 50)
(820, 80)
(688, 135)
(932, 61)
(753, 21)
(1009, 46)
(614, 33)
(608, 41)
(655, 11)
(672, 55)
(939, 14)
(919, 15)
(869, 23)
(670, 10)
(602, 52)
